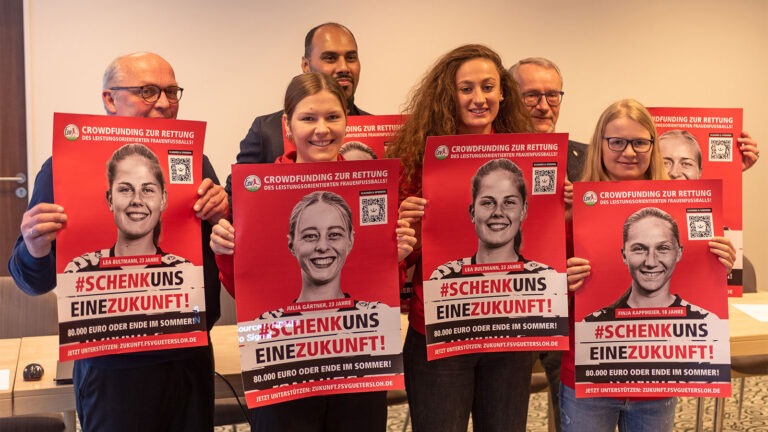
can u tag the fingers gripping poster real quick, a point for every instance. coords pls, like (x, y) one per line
(494, 244)
(701, 143)
(129, 258)
(651, 319)
(316, 278)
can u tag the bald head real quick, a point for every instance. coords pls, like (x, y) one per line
(137, 70)
(331, 49)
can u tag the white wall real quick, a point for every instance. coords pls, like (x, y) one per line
(235, 57)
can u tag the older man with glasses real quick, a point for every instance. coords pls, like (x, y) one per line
(541, 86)
(168, 390)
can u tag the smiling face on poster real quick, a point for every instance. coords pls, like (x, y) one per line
(141, 192)
(681, 153)
(318, 299)
(701, 143)
(136, 195)
(493, 225)
(652, 243)
(651, 251)
(320, 238)
(655, 301)
(127, 260)
(326, 243)
(498, 207)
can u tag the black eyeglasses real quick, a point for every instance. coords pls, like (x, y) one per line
(151, 92)
(533, 98)
(639, 145)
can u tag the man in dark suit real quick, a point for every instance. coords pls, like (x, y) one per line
(329, 48)
(112, 391)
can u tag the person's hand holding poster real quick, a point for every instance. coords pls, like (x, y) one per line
(129, 260)
(701, 143)
(316, 279)
(652, 318)
(494, 244)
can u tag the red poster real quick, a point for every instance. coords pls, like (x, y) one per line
(367, 136)
(652, 318)
(318, 307)
(129, 261)
(494, 260)
(701, 143)
(375, 132)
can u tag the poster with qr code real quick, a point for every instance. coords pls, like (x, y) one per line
(651, 319)
(129, 260)
(316, 278)
(370, 132)
(702, 143)
(493, 240)
(367, 137)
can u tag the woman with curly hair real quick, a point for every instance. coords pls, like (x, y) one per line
(467, 91)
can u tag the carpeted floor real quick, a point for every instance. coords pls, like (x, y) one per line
(754, 415)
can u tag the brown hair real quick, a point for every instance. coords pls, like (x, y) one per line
(154, 165)
(647, 212)
(432, 107)
(357, 145)
(308, 84)
(315, 197)
(501, 164)
(138, 150)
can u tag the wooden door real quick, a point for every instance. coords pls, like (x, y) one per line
(13, 134)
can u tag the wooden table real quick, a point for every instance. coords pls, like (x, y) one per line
(9, 356)
(32, 397)
(227, 358)
(748, 335)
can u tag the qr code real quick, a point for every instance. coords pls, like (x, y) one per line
(700, 226)
(373, 210)
(180, 168)
(720, 149)
(544, 181)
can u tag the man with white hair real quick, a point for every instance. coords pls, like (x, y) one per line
(165, 390)
(541, 85)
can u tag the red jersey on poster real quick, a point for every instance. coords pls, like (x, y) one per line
(701, 143)
(316, 280)
(652, 318)
(129, 274)
(494, 243)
